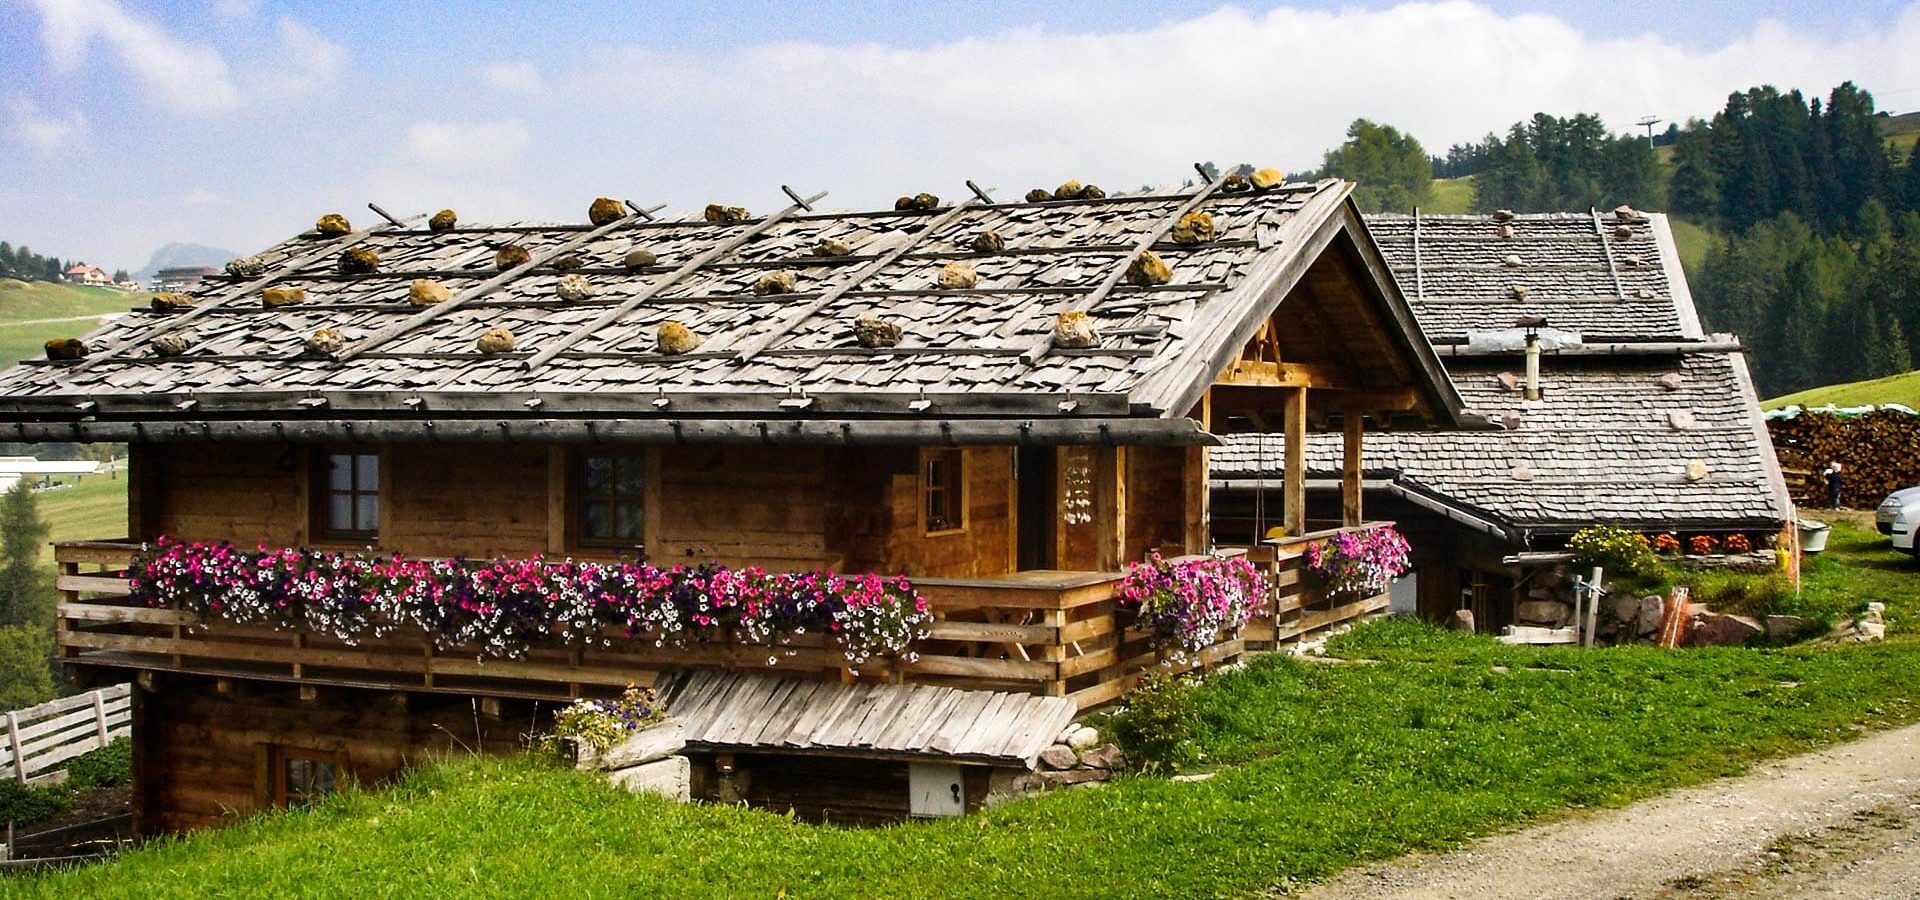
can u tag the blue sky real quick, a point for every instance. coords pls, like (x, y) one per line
(125, 124)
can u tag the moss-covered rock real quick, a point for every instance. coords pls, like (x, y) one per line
(639, 258)
(1193, 228)
(510, 256)
(673, 339)
(875, 333)
(1267, 179)
(443, 220)
(605, 211)
(173, 343)
(569, 262)
(957, 276)
(1039, 195)
(359, 260)
(832, 247)
(332, 225)
(1068, 190)
(1091, 192)
(1073, 330)
(326, 342)
(494, 340)
(989, 241)
(170, 302)
(726, 215)
(1235, 184)
(573, 288)
(246, 267)
(66, 349)
(275, 297)
(1148, 269)
(778, 281)
(427, 292)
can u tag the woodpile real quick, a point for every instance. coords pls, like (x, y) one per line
(332, 225)
(1878, 452)
(170, 302)
(443, 220)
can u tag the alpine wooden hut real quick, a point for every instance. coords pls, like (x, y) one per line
(1006, 402)
(1633, 416)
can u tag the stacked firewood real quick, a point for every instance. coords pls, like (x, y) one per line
(1878, 452)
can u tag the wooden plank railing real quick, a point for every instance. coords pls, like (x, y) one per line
(1050, 633)
(40, 738)
(1297, 611)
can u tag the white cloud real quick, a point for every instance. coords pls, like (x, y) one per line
(467, 147)
(202, 197)
(47, 135)
(512, 78)
(185, 78)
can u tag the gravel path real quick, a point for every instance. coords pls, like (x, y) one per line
(1843, 822)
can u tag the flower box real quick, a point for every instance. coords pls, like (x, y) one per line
(657, 741)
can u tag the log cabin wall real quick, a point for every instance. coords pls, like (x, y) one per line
(202, 756)
(854, 509)
(1157, 491)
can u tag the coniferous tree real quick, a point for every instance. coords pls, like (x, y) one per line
(25, 666)
(26, 591)
(1390, 169)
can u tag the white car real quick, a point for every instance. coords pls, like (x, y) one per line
(1899, 518)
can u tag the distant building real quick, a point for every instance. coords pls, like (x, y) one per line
(182, 278)
(14, 468)
(81, 273)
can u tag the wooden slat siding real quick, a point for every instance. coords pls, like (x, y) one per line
(729, 245)
(240, 292)
(786, 325)
(478, 501)
(1038, 351)
(467, 296)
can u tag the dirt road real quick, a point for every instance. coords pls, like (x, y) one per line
(1844, 822)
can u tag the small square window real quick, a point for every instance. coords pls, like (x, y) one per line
(348, 502)
(302, 776)
(609, 499)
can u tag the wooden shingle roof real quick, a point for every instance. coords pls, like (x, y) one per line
(745, 712)
(975, 352)
(1615, 437)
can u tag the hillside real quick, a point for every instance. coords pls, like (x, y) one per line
(1901, 132)
(177, 255)
(31, 312)
(1903, 389)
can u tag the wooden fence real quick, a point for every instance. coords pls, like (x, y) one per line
(40, 738)
(1298, 611)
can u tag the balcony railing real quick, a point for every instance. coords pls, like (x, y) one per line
(1045, 632)
(1297, 610)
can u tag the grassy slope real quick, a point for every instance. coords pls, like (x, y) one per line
(1451, 196)
(1901, 132)
(1319, 767)
(1892, 389)
(93, 508)
(22, 301)
(1694, 242)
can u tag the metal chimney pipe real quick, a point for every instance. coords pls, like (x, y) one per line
(1533, 365)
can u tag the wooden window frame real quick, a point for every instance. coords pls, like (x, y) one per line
(955, 494)
(577, 498)
(320, 493)
(277, 758)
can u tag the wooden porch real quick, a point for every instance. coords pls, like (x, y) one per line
(1050, 633)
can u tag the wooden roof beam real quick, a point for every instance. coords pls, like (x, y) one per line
(555, 348)
(1254, 373)
(1042, 346)
(482, 289)
(827, 297)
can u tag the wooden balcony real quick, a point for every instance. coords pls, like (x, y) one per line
(1044, 632)
(1297, 610)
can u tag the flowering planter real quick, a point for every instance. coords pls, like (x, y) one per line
(657, 741)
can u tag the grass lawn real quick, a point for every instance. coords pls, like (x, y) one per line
(24, 302)
(1694, 242)
(1451, 196)
(1318, 767)
(90, 508)
(1903, 389)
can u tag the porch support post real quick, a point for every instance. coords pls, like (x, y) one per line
(1350, 468)
(1294, 492)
